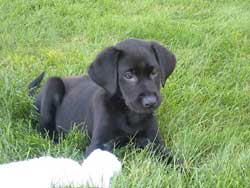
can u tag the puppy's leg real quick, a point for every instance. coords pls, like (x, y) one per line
(51, 97)
(107, 142)
(119, 141)
(158, 147)
(151, 136)
(109, 145)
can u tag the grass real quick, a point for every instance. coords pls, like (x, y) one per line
(205, 116)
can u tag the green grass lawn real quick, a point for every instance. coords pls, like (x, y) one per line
(205, 115)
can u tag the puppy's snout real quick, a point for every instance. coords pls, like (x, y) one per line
(149, 101)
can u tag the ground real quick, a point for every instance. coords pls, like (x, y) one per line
(205, 116)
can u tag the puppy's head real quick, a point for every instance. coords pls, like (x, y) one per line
(136, 69)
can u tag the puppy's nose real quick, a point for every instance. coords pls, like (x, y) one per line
(149, 101)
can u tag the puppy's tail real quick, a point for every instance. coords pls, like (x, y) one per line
(34, 84)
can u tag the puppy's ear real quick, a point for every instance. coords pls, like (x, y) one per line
(103, 71)
(166, 60)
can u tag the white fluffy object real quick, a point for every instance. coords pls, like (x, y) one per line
(48, 172)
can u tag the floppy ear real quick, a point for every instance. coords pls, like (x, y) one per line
(103, 71)
(166, 60)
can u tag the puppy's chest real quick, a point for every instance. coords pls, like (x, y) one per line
(133, 123)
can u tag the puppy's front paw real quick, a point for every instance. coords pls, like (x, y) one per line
(142, 142)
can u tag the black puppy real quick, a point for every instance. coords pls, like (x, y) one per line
(115, 101)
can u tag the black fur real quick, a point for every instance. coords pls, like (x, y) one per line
(35, 83)
(115, 101)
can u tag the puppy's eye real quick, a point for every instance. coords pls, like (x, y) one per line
(154, 73)
(129, 76)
